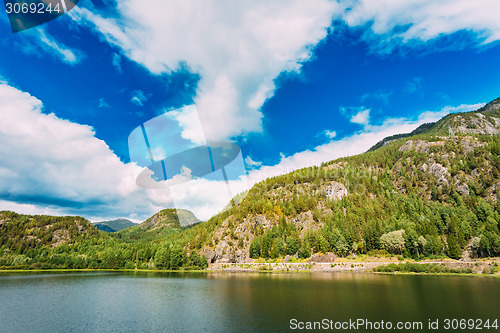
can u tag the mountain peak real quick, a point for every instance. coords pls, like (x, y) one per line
(162, 223)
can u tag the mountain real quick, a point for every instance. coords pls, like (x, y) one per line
(482, 121)
(433, 192)
(114, 225)
(19, 231)
(163, 223)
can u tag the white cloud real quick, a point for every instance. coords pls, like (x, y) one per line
(356, 114)
(453, 109)
(362, 117)
(330, 134)
(53, 166)
(249, 162)
(45, 159)
(238, 48)
(31, 209)
(395, 21)
(139, 98)
(117, 62)
(189, 121)
(38, 41)
(354, 144)
(158, 153)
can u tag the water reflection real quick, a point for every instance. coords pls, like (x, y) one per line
(216, 302)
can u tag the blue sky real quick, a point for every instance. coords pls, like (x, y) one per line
(293, 84)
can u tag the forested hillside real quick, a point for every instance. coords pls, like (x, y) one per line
(431, 194)
(44, 242)
(434, 193)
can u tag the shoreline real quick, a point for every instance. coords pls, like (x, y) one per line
(352, 266)
(343, 265)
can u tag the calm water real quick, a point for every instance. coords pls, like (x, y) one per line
(225, 302)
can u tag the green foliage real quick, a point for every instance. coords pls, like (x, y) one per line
(421, 268)
(393, 242)
(292, 245)
(255, 247)
(305, 250)
(48, 242)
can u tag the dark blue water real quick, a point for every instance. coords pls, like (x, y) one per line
(229, 302)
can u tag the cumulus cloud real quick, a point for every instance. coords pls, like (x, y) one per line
(362, 117)
(238, 48)
(356, 114)
(49, 161)
(393, 22)
(330, 134)
(251, 163)
(53, 166)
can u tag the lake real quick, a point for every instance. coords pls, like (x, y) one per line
(237, 302)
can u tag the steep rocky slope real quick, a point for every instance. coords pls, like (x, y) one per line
(440, 186)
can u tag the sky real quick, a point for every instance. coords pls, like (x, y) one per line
(293, 83)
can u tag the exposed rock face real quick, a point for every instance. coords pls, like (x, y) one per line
(60, 237)
(420, 146)
(493, 190)
(260, 220)
(440, 172)
(329, 257)
(438, 162)
(224, 253)
(335, 191)
(470, 145)
(461, 187)
(234, 247)
(305, 221)
(335, 166)
(476, 123)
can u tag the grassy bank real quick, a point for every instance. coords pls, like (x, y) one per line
(433, 268)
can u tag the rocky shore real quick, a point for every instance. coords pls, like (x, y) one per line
(478, 266)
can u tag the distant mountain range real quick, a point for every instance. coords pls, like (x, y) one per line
(114, 225)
